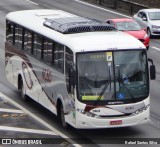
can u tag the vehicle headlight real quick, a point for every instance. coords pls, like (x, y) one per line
(89, 114)
(146, 36)
(155, 27)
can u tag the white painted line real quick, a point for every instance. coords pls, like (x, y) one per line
(10, 110)
(38, 119)
(154, 123)
(32, 2)
(156, 48)
(34, 131)
(91, 5)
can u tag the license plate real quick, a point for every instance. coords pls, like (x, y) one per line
(116, 122)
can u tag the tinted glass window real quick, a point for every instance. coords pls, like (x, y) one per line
(47, 51)
(18, 36)
(37, 46)
(9, 32)
(68, 64)
(59, 56)
(27, 41)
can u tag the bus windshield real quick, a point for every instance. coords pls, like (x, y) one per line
(112, 76)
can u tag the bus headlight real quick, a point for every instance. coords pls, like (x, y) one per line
(140, 110)
(89, 114)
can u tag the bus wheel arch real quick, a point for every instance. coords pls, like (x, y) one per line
(61, 114)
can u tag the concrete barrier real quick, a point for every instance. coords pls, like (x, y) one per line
(120, 5)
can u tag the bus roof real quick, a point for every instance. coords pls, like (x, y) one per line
(78, 42)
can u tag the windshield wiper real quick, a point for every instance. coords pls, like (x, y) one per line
(108, 82)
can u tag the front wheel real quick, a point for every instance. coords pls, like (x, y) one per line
(62, 118)
(22, 92)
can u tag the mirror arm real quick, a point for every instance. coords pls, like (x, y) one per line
(150, 60)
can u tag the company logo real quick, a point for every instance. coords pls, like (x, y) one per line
(47, 75)
(96, 110)
(129, 108)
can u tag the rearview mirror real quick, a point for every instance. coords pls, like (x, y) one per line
(144, 19)
(152, 72)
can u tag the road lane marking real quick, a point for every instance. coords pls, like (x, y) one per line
(154, 123)
(156, 48)
(34, 131)
(104, 9)
(11, 110)
(32, 2)
(4, 97)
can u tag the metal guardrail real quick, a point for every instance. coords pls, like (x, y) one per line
(121, 5)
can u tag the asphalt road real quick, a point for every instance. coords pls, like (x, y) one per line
(151, 130)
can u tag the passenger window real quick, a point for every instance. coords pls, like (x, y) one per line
(28, 41)
(9, 32)
(140, 14)
(37, 46)
(59, 56)
(47, 51)
(68, 60)
(68, 64)
(144, 16)
(18, 37)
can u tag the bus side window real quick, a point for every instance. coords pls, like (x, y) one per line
(18, 36)
(37, 46)
(68, 64)
(47, 51)
(9, 32)
(59, 56)
(28, 41)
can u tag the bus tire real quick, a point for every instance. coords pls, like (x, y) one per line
(61, 116)
(22, 91)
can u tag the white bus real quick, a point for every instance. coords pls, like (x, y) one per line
(82, 70)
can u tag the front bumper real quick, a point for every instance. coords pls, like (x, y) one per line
(85, 122)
